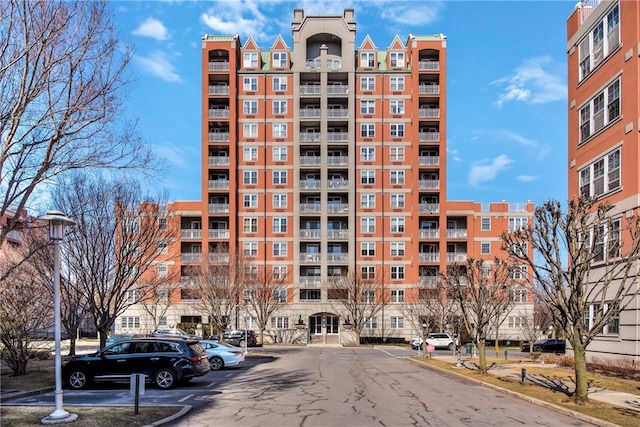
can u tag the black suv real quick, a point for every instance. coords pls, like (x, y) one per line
(164, 361)
(237, 338)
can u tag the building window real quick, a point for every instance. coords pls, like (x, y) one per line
(280, 273)
(396, 59)
(397, 272)
(397, 107)
(485, 248)
(519, 272)
(517, 223)
(396, 131)
(163, 248)
(367, 59)
(517, 322)
(367, 130)
(367, 107)
(605, 241)
(250, 84)
(250, 108)
(279, 84)
(599, 43)
(162, 321)
(279, 177)
(310, 294)
(189, 294)
(396, 154)
(371, 323)
(397, 177)
(396, 84)
(601, 176)
(250, 177)
(162, 223)
(367, 84)
(279, 59)
(250, 201)
(130, 322)
(279, 154)
(368, 225)
(368, 248)
(251, 272)
(397, 248)
(279, 130)
(279, 200)
(368, 201)
(250, 249)
(485, 224)
(368, 296)
(613, 325)
(280, 108)
(250, 154)
(518, 294)
(279, 225)
(367, 177)
(280, 249)
(397, 201)
(601, 110)
(397, 295)
(367, 154)
(397, 225)
(163, 270)
(397, 322)
(279, 322)
(250, 130)
(368, 272)
(250, 60)
(250, 225)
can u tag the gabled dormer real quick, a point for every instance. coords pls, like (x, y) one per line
(367, 54)
(279, 54)
(396, 56)
(251, 55)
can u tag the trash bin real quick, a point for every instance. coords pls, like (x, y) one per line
(467, 348)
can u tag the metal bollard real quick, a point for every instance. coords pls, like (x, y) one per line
(505, 355)
(523, 375)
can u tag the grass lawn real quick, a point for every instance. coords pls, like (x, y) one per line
(40, 374)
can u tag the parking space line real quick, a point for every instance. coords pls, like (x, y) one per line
(186, 398)
(211, 384)
(228, 375)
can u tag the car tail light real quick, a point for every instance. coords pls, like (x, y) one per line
(194, 358)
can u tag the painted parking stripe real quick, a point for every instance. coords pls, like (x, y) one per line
(186, 398)
(211, 384)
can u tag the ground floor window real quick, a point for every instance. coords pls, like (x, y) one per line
(279, 322)
(130, 321)
(397, 322)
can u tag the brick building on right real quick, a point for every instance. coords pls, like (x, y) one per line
(603, 58)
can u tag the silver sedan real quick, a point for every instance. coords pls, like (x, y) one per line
(222, 355)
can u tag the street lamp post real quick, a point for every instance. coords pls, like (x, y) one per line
(57, 221)
(425, 328)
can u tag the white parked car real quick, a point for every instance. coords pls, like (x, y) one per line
(222, 355)
(438, 340)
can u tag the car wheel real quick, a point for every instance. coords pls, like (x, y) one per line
(165, 379)
(216, 363)
(450, 346)
(537, 349)
(77, 380)
(241, 343)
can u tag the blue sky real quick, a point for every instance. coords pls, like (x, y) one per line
(506, 82)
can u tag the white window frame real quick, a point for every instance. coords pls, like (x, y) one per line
(280, 84)
(250, 84)
(602, 176)
(130, 322)
(250, 177)
(279, 177)
(250, 108)
(368, 249)
(485, 248)
(396, 106)
(250, 154)
(397, 249)
(279, 130)
(250, 201)
(396, 84)
(250, 249)
(591, 53)
(367, 59)
(397, 201)
(163, 270)
(279, 59)
(280, 249)
(368, 272)
(396, 59)
(397, 296)
(396, 154)
(279, 107)
(367, 130)
(518, 222)
(279, 272)
(397, 272)
(250, 225)
(396, 130)
(368, 225)
(367, 84)
(396, 322)
(279, 224)
(367, 177)
(485, 223)
(279, 322)
(279, 154)
(279, 200)
(250, 130)
(367, 107)
(397, 224)
(601, 110)
(368, 201)
(396, 177)
(367, 154)
(250, 60)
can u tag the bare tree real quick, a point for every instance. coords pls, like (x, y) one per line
(155, 300)
(117, 239)
(602, 244)
(360, 297)
(264, 294)
(429, 310)
(480, 289)
(62, 85)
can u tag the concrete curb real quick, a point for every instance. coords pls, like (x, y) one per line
(6, 397)
(181, 413)
(562, 410)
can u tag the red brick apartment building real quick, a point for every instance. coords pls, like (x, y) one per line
(603, 52)
(327, 158)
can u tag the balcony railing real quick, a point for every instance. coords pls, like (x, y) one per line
(429, 257)
(187, 233)
(218, 136)
(428, 280)
(310, 113)
(218, 207)
(310, 207)
(429, 65)
(338, 208)
(219, 66)
(429, 136)
(429, 160)
(314, 64)
(188, 280)
(218, 233)
(341, 257)
(456, 256)
(429, 184)
(338, 161)
(337, 136)
(338, 234)
(310, 280)
(307, 258)
(310, 234)
(191, 257)
(337, 89)
(310, 184)
(310, 160)
(429, 113)
(457, 233)
(429, 207)
(219, 161)
(310, 90)
(338, 113)
(218, 114)
(429, 89)
(219, 90)
(429, 234)
(338, 184)
(310, 137)
(219, 257)
(517, 207)
(219, 184)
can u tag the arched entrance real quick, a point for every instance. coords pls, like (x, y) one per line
(324, 328)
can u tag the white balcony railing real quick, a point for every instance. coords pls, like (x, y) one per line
(219, 161)
(456, 256)
(309, 257)
(338, 234)
(218, 114)
(310, 234)
(310, 137)
(337, 89)
(338, 184)
(310, 90)
(429, 184)
(218, 233)
(187, 233)
(457, 233)
(191, 257)
(429, 113)
(219, 90)
(218, 207)
(310, 113)
(429, 234)
(219, 184)
(428, 65)
(219, 66)
(338, 161)
(429, 160)
(338, 208)
(310, 160)
(429, 136)
(429, 89)
(314, 64)
(337, 136)
(218, 136)
(341, 257)
(310, 184)
(429, 207)
(338, 113)
(429, 257)
(428, 280)
(310, 207)
(219, 257)
(310, 280)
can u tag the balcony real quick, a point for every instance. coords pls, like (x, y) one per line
(337, 90)
(428, 280)
(456, 256)
(218, 136)
(310, 161)
(429, 136)
(314, 64)
(429, 208)
(429, 184)
(429, 89)
(457, 233)
(219, 90)
(219, 257)
(310, 113)
(310, 184)
(338, 113)
(429, 113)
(219, 233)
(429, 65)
(188, 280)
(219, 161)
(309, 258)
(191, 257)
(429, 234)
(310, 90)
(338, 184)
(337, 136)
(219, 184)
(187, 233)
(429, 257)
(218, 114)
(218, 66)
(310, 280)
(338, 258)
(338, 161)
(334, 208)
(309, 136)
(310, 207)
(218, 207)
(429, 160)
(310, 234)
(338, 234)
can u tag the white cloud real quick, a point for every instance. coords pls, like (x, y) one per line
(527, 178)
(158, 64)
(536, 81)
(538, 150)
(153, 28)
(454, 154)
(237, 17)
(172, 154)
(416, 13)
(487, 170)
